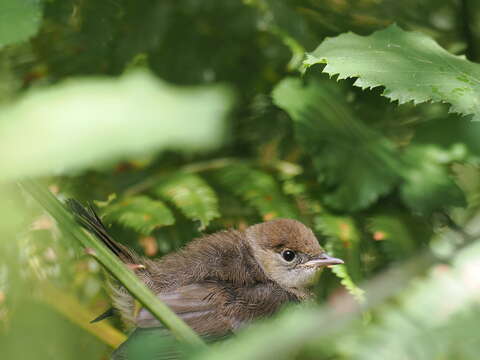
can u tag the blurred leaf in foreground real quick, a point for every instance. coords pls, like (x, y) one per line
(147, 344)
(436, 318)
(82, 122)
(404, 329)
(411, 66)
(19, 20)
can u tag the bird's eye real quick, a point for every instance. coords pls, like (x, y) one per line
(288, 255)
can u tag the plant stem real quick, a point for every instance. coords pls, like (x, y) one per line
(105, 257)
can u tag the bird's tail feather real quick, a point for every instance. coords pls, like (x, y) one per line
(88, 219)
(122, 299)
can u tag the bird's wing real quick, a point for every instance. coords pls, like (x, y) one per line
(200, 305)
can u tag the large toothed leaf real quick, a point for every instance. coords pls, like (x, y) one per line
(192, 195)
(19, 20)
(140, 213)
(259, 189)
(355, 164)
(410, 65)
(86, 122)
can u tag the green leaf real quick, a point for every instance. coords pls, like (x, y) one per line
(355, 164)
(192, 195)
(19, 20)
(410, 65)
(147, 344)
(259, 189)
(85, 122)
(427, 184)
(140, 213)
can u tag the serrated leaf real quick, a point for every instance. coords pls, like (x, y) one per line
(192, 195)
(410, 65)
(19, 20)
(355, 164)
(140, 213)
(259, 189)
(427, 184)
(87, 122)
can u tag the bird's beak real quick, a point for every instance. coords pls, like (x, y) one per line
(323, 260)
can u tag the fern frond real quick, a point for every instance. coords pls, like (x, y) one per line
(258, 189)
(192, 195)
(342, 273)
(140, 213)
(343, 240)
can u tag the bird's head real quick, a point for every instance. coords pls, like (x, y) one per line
(288, 252)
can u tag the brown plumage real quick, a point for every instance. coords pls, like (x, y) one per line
(220, 282)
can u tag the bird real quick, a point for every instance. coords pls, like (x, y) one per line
(221, 282)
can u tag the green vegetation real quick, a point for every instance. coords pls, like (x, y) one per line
(178, 119)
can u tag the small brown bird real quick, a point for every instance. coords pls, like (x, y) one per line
(220, 282)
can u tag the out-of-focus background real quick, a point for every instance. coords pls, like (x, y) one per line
(181, 118)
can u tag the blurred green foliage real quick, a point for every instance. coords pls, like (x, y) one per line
(181, 118)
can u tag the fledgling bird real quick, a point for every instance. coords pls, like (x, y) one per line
(220, 282)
